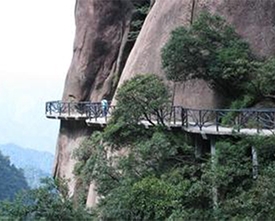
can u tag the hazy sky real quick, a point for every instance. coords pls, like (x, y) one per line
(36, 44)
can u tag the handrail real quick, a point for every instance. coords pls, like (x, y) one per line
(249, 118)
(83, 109)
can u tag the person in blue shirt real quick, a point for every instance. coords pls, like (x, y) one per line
(104, 106)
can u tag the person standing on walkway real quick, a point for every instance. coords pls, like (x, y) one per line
(104, 106)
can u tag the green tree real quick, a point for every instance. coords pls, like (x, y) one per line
(262, 84)
(49, 202)
(240, 196)
(144, 97)
(141, 97)
(210, 50)
(153, 174)
(12, 179)
(156, 177)
(257, 203)
(160, 179)
(141, 9)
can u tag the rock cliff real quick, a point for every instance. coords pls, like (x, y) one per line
(101, 35)
(253, 19)
(101, 29)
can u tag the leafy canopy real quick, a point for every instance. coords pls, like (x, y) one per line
(48, 202)
(144, 97)
(154, 174)
(141, 96)
(12, 179)
(210, 50)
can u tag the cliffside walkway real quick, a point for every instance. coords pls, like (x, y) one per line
(202, 121)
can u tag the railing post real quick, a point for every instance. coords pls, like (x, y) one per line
(95, 107)
(182, 116)
(90, 110)
(86, 110)
(258, 123)
(239, 122)
(200, 120)
(174, 109)
(186, 117)
(69, 108)
(217, 120)
(50, 108)
(59, 107)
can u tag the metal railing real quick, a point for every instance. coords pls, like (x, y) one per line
(85, 109)
(185, 117)
(233, 118)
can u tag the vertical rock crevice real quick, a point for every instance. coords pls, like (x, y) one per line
(139, 11)
(192, 11)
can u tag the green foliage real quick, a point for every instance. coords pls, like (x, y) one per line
(211, 50)
(264, 147)
(141, 96)
(159, 178)
(49, 202)
(153, 178)
(241, 103)
(240, 196)
(262, 84)
(140, 12)
(233, 169)
(35, 164)
(153, 174)
(153, 198)
(258, 202)
(144, 97)
(12, 179)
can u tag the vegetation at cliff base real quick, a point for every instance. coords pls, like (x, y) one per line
(51, 201)
(12, 180)
(35, 164)
(159, 174)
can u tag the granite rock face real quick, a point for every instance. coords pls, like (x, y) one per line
(100, 30)
(101, 34)
(253, 19)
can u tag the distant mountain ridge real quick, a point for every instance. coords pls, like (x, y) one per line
(36, 164)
